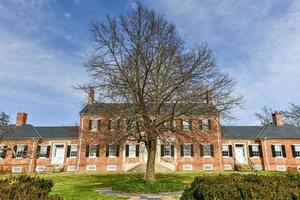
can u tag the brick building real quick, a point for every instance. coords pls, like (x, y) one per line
(28, 148)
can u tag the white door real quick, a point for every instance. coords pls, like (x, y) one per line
(240, 154)
(58, 154)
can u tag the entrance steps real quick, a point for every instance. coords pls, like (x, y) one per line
(243, 167)
(142, 168)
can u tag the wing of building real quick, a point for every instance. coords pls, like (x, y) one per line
(28, 148)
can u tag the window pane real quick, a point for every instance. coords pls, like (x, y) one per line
(73, 151)
(254, 147)
(43, 151)
(94, 125)
(206, 150)
(297, 147)
(277, 147)
(167, 150)
(187, 150)
(112, 150)
(186, 125)
(132, 150)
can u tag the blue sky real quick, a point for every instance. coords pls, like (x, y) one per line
(44, 43)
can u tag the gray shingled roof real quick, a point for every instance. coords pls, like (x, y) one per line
(28, 131)
(103, 108)
(240, 132)
(19, 132)
(286, 131)
(58, 131)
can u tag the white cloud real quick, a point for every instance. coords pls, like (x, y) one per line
(67, 15)
(256, 42)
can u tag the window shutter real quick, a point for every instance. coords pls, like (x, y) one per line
(171, 125)
(260, 150)
(209, 124)
(273, 150)
(137, 150)
(250, 151)
(283, 150)
(230, 150)
(99, 125)
(68, 151)
(90, 124)
(87, 151)
(38, 151)
(3, 155)
(181, 124)
(212, 150)
(162, 150)
(181, 150)
(192, 150)
(118, 150)
(48, 151)
(293, 151)
(172, 150)
(15, 151)
(109, 124)
(191, 124)
(25, 151)
(200, 124)
(107, 150)
(97, 150)
(127, 150)
(201, 150)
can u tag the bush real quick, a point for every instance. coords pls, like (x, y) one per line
(238, 186)
(26, 188)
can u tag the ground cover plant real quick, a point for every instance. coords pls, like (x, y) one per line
(26, 188)
(249, 186)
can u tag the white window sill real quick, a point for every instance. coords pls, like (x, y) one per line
(42, 158)
(227, 157)
(92, 157)
(280, 157)
(255, 157)
(207, 157)
(132, 157)
(187, 156)
(73, 157)
(19, 158)
(167, 156)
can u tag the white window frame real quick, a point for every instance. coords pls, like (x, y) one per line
(71, 168)
(280, 145)
(111, 168)
(227, 167)
(75, 149)
(94, 155)
(186, 125)
(297, 156)
(225, 151)
(113, 124)
(166, 152)
(208, 165)
(94, 125)
(20, 150)
(257, 146)
(18, 171)
(43, 146)
(131, 150)
(111, 151)
(279, 166)
(187, 167)
(190, 154)
(205, 123)
(88, 168)
(206, 145)
(38, 168)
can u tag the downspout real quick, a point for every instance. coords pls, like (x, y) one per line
(265, 153)
(80, 144)
(219, 143)
(33, 149)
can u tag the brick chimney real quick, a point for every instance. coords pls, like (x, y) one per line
(21, 119)
(90, 96)
(209, 99)
(277, 119)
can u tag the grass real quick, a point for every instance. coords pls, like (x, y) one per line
(83, 186)
(73, 186)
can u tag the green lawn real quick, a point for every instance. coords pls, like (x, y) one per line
(83, 186)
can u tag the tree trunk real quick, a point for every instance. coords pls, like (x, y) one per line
(150, 169)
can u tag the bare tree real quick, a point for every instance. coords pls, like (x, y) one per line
(265, 116)
(150, 77)
(292, 115)
(4, 120)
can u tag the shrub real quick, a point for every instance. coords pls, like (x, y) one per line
(26, 188)
(238, 186)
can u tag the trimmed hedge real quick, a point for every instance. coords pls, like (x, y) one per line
(26, 188)
(238, 186)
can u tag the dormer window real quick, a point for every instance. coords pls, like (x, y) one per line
(205, 125)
